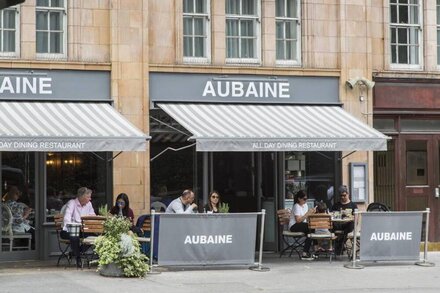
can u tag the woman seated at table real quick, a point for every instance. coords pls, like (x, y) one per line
(298, 223)
(213, 205)
(20, 211)
(122, 207)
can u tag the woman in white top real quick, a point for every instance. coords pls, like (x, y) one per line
(299, 221)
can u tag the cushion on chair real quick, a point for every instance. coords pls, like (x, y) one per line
(293, 234)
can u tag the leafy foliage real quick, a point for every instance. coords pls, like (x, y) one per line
(103, 210)
(119, 246)
(223, 208)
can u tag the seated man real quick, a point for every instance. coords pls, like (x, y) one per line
(343, 204)
(75, 209)
(183, 204)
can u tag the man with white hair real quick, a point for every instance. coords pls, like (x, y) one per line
(75, 209)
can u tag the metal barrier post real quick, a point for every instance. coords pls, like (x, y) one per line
(425, 262)
(353, 264)
(260, 267)
(152, 218)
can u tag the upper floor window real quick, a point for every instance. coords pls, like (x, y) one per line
(9, 39)
(438, 32)
(242, 31)
(51, 26)
(405, 30)
(196, 31)
(288, 31)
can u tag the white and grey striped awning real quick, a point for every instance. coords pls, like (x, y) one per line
(237, 127)
(66, 127)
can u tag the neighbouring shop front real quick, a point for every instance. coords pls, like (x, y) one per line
(257, 140)
(407, 175)
(58, 132)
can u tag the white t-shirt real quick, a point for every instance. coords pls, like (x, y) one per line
(298, 210)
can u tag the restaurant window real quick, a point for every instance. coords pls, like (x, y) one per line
(242, 31)
(66, 172)
(9, 38)
(416, 163)
(51, 27)
(313, 172)
(406, 33)
(196, 31)
(288, 32)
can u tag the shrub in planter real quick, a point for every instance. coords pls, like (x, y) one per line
(119, 251)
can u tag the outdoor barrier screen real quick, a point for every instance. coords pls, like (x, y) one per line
(207, 239)
(391, 236)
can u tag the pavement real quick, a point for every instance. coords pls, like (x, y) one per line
(284, 275)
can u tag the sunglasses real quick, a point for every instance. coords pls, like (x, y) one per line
(214, 196)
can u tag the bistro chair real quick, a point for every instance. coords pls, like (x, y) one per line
(293, 241)
(377, 207)
(63, 244)
(92, 226)
(322, 221)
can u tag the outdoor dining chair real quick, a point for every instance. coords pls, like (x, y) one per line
(63, 244)
(92, 226)
(322, 222)
(293, 241)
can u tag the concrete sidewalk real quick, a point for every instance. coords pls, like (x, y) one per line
(285, 275)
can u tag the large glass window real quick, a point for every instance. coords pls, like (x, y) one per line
(51, 26)
(288, 32)
(8, 31)
(313, 172)
(66, 172)
(405, 30)
(242, 30)
(196, 30)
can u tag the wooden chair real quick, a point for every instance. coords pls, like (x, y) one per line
(63, 244)
(322, 222)
(92, 226)
(293, 241)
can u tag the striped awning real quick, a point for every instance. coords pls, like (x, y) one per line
(66, 127)
(233, 127)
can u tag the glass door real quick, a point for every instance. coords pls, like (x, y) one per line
(18, 218)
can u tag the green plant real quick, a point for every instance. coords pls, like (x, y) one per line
(223, 208)
(117, 245)
(103, 210)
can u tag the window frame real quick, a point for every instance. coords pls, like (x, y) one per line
(257, 23)
(297, 61)
(207, 25)
(419, 28)
(53, 56)
(16, 53)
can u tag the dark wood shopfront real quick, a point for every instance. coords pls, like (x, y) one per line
(407, 176)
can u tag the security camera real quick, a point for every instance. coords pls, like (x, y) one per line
(351, 83)
(368, 83)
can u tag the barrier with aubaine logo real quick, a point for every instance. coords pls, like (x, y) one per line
(209, 239)
(390, 236)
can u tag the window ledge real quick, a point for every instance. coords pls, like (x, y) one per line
(243, 61)
(196, 60)
(51, 56)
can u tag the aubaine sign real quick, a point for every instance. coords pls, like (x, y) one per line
(24, 85)
(216, 88)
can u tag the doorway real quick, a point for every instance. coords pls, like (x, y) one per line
(420, 177)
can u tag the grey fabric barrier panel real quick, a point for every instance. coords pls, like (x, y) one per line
(391, 236)
(203, 239)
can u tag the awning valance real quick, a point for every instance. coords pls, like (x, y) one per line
(232, 127)
(66, 127)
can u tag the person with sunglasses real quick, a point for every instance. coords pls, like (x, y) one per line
(344, 204)
(213, 205)
(298, 223)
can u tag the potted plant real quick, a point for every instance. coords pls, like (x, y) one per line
(119, 251)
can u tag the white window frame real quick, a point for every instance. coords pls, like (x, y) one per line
(291, 62)
(207, 54)
(53, 56)
(257, 22)
(418, 66)
(16, 53)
